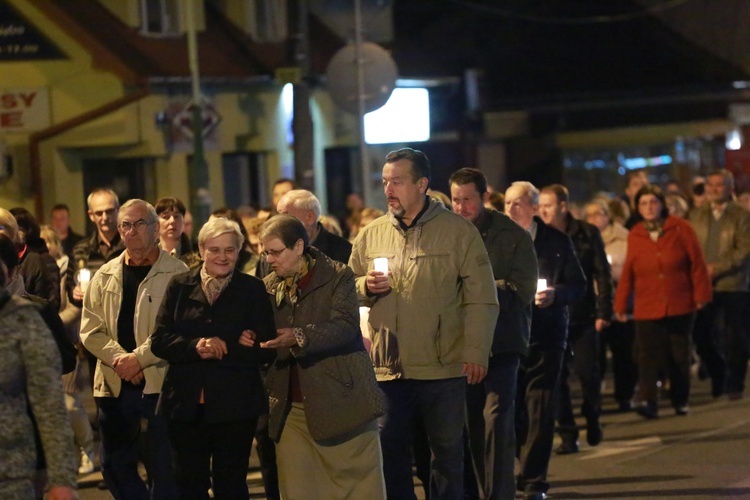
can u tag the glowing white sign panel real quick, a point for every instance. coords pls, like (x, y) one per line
(404, 118)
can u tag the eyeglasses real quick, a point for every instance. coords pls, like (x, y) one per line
(101, 213)
(273, 253)
(126, 226)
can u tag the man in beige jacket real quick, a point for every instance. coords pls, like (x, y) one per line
(432, 320)
(119, 312)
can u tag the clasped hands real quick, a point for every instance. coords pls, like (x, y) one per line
(211, 348)
(128, 368)
(284, 338)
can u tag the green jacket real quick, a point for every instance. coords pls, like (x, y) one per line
(515, 270)
(732, 269)
(441, 310)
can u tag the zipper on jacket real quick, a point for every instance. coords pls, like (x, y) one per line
(437, 340)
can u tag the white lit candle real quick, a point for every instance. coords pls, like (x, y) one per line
(381, 264)
(84, 276)
(541, 285)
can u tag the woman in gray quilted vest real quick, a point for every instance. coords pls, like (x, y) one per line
(323, 397)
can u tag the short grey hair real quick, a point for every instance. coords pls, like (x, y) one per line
(8, 220)
(287, 228)
(528, 189)
(217, 226)
(151, 218)
(302, 199)
(108, 191)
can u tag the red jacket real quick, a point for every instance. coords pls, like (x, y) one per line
(669, 275)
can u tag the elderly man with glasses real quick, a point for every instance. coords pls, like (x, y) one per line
(104, 244)
(119, 313)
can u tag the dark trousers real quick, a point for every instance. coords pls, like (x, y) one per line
(203, 450)
(536, 399)
(491, 427)
(620, 337)
(721, 338)
(126, 423)
(266, 449)
(663, 348)
(442, 405)
(581, 358)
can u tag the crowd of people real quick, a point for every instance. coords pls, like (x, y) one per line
(482, 305)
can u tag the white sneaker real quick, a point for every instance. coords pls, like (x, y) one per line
(87, 465)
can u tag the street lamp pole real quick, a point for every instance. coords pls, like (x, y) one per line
(364, 154)
(200, 197)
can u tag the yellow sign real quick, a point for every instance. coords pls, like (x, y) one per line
(289, 74)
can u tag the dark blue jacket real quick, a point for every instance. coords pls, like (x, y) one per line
(559, 265)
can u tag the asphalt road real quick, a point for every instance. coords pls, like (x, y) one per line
(703, 455)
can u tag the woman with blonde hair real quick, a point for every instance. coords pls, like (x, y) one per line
(213, 395)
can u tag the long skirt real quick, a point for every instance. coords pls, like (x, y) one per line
(309, 470)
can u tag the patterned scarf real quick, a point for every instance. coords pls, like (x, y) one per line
(211, 286)
(289, 287)
(654, 228)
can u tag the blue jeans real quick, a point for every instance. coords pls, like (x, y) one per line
(126, 423)
(441, 404)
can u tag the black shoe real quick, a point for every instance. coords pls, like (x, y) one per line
(594, 432)
(567, 448)
(534, 496)
(681, 410)
(648, 410)
(625, 405)
(520, 486)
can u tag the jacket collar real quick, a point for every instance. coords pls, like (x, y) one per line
(322, 273)
(572, 225)
(192, 280)
(494, 220)
(431, 210)
(165, 263)
(670, 223)
(322, 235)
